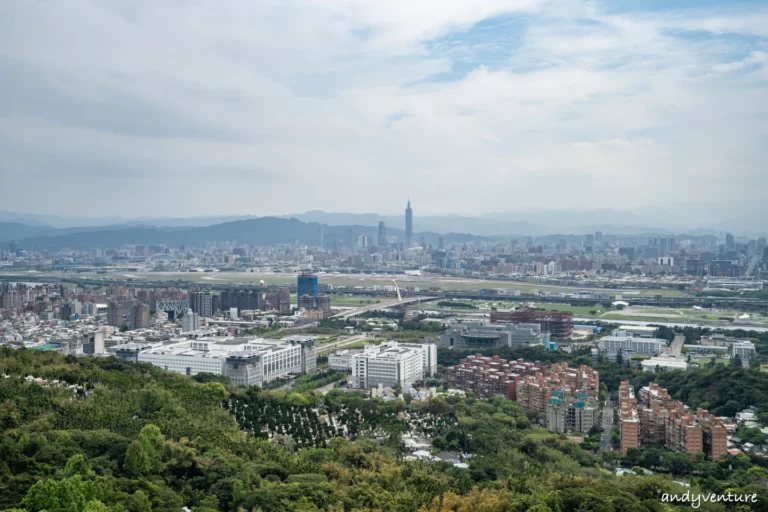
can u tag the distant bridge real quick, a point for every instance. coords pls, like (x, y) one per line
(375, 307)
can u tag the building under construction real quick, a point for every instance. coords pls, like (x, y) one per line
(558, 325)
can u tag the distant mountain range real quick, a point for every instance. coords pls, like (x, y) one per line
(50, 231)
(260, 231)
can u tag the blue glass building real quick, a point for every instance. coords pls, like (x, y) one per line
(307, 285)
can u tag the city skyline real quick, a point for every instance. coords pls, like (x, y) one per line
(553, 105)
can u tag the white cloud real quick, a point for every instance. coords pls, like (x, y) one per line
(337, 102)
(756, 57)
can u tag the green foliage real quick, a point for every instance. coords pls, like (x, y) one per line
(137, 461)
(722, 389)
(68, 495)
(456, 304)
(140, 439)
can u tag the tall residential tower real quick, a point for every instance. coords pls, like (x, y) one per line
(382, 235)
(408, 224)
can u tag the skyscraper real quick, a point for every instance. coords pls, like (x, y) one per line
(408, 224)
(382, 235)
(729, 242)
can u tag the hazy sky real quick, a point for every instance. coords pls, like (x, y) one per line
(273, 107)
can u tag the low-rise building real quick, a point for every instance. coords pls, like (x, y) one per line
(481, 336)
(663, 364)
(639, 331)
(245, 361)
(341, 360)
(627, 344)
(745, 350)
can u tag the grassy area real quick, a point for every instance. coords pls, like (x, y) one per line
(576, 310)
(616, 316)
(704, 361)
(352, 301)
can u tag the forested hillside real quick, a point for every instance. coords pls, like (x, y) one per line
(86, 434)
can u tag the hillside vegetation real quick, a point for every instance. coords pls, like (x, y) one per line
(88, 434)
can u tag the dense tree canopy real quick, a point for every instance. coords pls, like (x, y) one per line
(96, 434)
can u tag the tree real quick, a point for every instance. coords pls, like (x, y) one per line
(139, 502)
(68, 495)
(95, 506)
(77, 465)
(137, 461)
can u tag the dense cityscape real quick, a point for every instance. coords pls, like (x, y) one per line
(383, 256)
(579, 332)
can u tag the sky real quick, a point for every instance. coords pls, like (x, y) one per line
(189, 107)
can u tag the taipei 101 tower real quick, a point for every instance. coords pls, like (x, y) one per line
(408, 224)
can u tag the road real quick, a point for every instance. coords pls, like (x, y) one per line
(676, 347)
(723, 325)
(605, 438)
(374, 307)
(330, 347)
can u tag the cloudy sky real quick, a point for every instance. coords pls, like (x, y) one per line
(192, 107)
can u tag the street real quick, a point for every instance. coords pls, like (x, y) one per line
(330, 347)
(605, 438)
(677, 345)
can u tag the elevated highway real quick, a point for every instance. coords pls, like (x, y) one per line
(375, 307)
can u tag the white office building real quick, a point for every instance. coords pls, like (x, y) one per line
(620, 341)
(428, 356)
(341, 360)
(190, 322)
(639, 331)
(663, 364)
(389, 364)
(247, 362)
(744, 349)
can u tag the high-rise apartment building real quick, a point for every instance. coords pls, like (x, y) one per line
(130, 314)
(382, 242)
(568, 396)
(201, 302)
(659, 419)
(139, 316)
(323, 302)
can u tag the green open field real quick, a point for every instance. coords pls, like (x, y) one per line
(639, 313)
(348, 280)
(357, 301)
